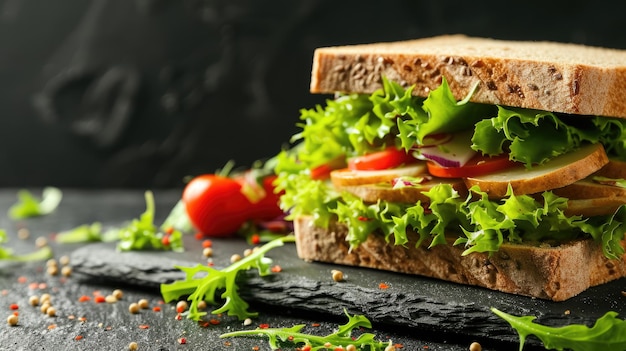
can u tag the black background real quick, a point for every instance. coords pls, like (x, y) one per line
(141, 93)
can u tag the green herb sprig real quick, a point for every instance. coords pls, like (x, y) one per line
(607, 334)
(139, 234)
(142, 234)
(8, 255)
(205, 288)
(30, 206)
(341, 338)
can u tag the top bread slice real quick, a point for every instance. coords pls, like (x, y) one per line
(550, 76)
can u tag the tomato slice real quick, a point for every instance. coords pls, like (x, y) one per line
(388, 158)
(476, 166)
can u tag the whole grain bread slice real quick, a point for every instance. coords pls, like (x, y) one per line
(549, 76)
(548, 272)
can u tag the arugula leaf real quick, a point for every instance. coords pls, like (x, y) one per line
(339, 339)
(205, 288)
(7, 254)
(81, 234)
(30, 206)
(178, 219)
(142, 234)
(607, 334)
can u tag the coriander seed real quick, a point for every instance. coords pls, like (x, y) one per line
(133, 308)
(51, 311)
(118, 293)
(475, 346)
(143, 304)
(33, 300)
(235, 258)
(181, 306)
(12, 320)
(66, 271)
(64, 260)
(337, 275)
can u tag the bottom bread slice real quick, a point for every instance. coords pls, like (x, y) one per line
(543, 271)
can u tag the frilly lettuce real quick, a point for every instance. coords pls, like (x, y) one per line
(534, 137)
(356, 124)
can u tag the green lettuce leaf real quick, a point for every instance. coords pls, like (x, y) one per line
(356, 124)
(30, 206)
(607, 334)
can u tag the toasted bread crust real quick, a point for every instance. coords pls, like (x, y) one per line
(554, 273)
(548, 76)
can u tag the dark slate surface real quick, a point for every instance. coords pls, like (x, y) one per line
(419, 304)
(279, 298)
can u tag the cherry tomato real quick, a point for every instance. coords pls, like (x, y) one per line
(267, 208)
(476, 166)
(215, 204)
(219, 206)
(388, 158)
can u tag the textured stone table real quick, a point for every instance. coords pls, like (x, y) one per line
(416, 312)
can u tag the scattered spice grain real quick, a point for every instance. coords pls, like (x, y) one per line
(12, 320)
(475, 346)
(133, 308)
(181, 306)
(337, 275)
(133, 346)
(51, 311)
(66, 271)
(143, 304)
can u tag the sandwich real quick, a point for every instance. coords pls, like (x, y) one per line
(491, 163)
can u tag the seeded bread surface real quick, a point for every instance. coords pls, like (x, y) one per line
(542, 271)
(549, 76)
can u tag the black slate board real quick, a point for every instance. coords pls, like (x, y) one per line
(417, 303)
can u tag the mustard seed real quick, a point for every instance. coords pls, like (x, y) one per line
(12, 320)
(133, 346)
(247, 252)
(207, 252)
(475, 347)
(110, 299)
(51, 262)
(202, 305)
(247, 321)
(351, 348)
(390, 348)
